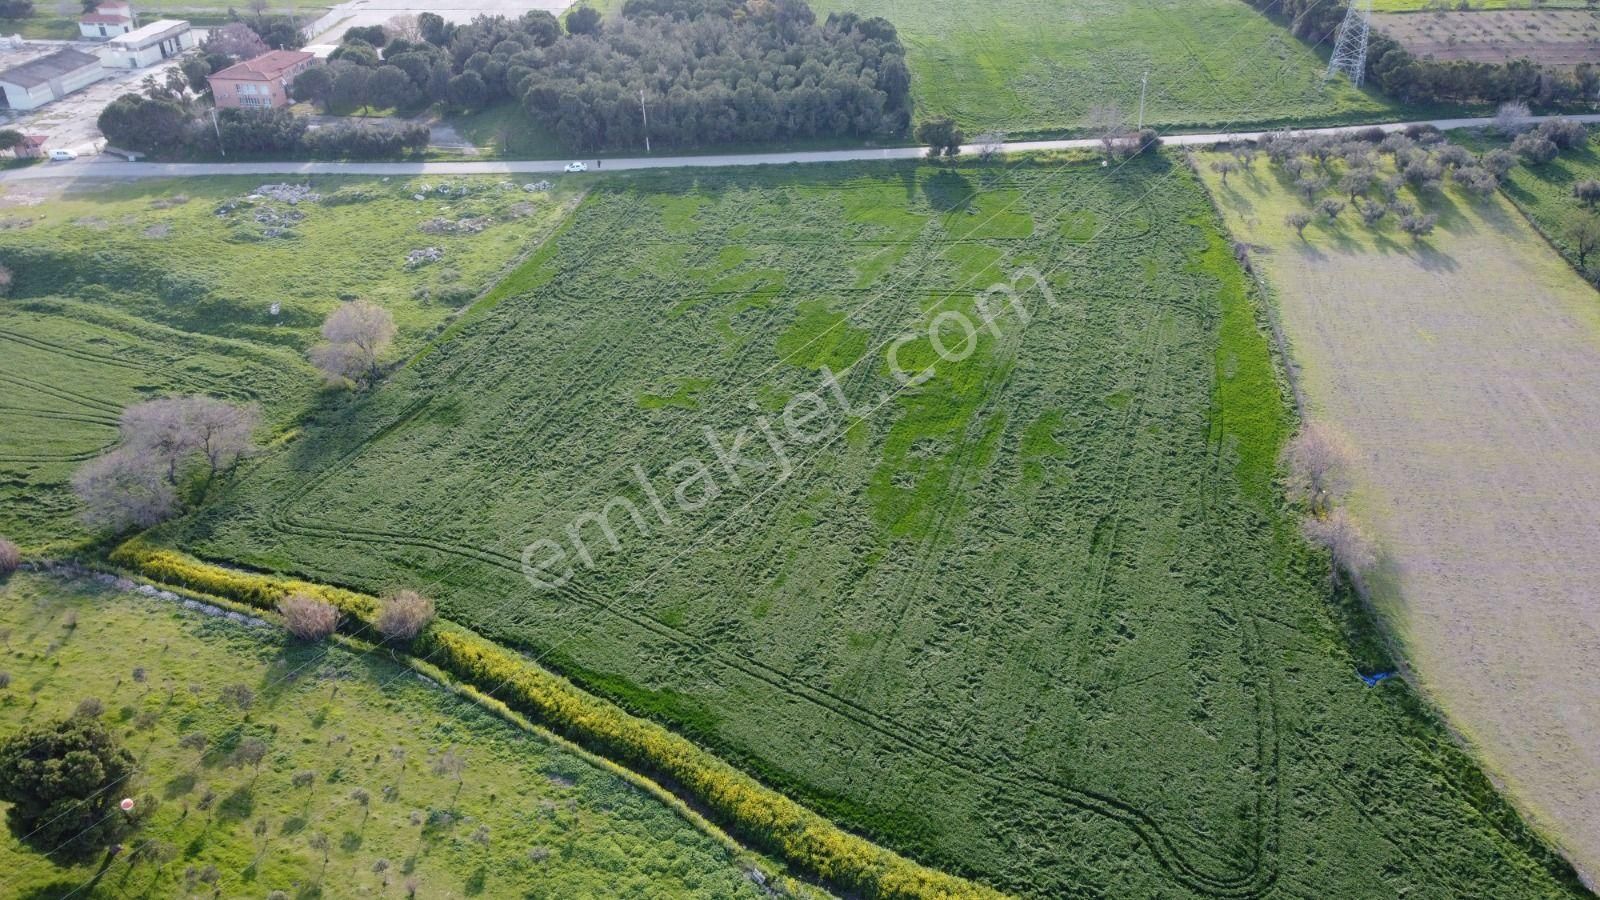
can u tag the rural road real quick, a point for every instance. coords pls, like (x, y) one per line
(110, 167)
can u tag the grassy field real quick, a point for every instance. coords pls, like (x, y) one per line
(1033, 66)
(525, 818)
(1041, 619)
(1544, 193)
(127, 292)
(1461, 369)
(170, 251)
(68, 368)
(1454, 5)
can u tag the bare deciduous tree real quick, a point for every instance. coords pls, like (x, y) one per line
(405, 27)
(235, 40)
(356, 334)
(1512, 118)
(120, 491)
(1584, 235)
(1317, 461)
(991, 144)
(10, 557)
(136, 485)
(1338, 533)
(403, 614)
(308, 618)
(1107, 122)
(250, 752)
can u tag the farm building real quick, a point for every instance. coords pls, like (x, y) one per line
(34, 83)
(108, 20)
(259, 83)
(162, 39)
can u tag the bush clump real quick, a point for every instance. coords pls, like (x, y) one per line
(308, 618)
(403, 614)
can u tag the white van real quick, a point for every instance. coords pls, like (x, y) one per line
(63, 155)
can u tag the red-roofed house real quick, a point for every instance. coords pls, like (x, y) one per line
(107, 21)
(260, 83)
(32, 147)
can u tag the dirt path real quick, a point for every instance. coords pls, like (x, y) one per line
(1467, 376)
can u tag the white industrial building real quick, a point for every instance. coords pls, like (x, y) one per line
(161, 39)
(38, 81)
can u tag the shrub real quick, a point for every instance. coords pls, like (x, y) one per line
(403, 614)
(10, 557)
(1587, 191)
(308, 618)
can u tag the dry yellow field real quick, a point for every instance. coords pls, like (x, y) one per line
(1465, 370)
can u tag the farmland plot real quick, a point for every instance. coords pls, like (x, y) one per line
(66, 371)
(214, 286)
(1039, 619)
(366, 730)
(1549, 37)
(1461, 368)
(1028, 66)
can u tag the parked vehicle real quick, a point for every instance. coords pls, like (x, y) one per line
(63, 155)
(577, 167)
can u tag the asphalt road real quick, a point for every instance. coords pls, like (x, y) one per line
(114, 168)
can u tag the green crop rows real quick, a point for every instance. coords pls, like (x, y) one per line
(1040, 619)
(525, 812)
(1028, 66)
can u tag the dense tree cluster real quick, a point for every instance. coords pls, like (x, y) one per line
(701, 71)
(1403, 75)
(173, 128)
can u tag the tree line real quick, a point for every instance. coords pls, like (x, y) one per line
(675, 72)
(1403, 75)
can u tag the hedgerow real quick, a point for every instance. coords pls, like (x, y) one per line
(750, 809)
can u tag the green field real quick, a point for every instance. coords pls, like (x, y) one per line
(128, 292)
(526, 814)
(1041, 619)
(1453, 5)
(1033, 66)
(1544, 193)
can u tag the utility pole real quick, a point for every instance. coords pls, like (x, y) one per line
(646, 114)
(1144, 85)
(220, 148)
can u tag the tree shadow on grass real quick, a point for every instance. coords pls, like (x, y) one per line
(948, 191)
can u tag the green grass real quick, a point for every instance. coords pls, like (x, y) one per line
(67, 368)
(1041, 620)
(1544, 193)
(527, 814)
(1451, 6)
(133, 291)
(171, 251)
(1038, 66)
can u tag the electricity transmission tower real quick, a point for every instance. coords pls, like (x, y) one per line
(1350, 47)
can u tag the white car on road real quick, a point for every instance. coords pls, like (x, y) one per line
(577, 167)
(63, 155)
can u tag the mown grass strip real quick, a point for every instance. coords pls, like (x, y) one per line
(749, 809)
